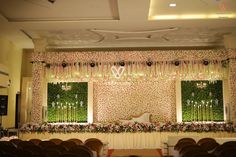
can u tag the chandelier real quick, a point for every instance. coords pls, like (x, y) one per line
(65, 87)
(201, 85)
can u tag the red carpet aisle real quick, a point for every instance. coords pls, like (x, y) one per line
(134, 152)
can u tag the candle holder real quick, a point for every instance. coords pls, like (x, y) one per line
(202, 110)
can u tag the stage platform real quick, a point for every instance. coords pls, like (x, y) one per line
(140, 140)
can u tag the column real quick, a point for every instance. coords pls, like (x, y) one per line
(37, 80)
(232, 86)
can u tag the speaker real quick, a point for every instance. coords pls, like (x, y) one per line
(3, 104)
(17, 113)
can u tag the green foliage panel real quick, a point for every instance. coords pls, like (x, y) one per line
(202, 101)
(68, 105)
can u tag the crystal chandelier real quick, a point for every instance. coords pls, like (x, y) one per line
(201, 85)
(65, 87)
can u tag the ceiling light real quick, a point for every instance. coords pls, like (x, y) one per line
(172, 5)
(165, 17)
(192, 16)
(189, 16)
(222, 15)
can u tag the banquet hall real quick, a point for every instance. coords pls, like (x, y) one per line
(137, 75)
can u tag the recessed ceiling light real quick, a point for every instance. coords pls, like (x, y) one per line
(172, 5)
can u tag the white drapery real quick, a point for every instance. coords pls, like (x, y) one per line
(132, 140)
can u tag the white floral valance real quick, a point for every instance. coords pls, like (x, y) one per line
(134, 65)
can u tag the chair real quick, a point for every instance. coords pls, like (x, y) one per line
(189, 148)
(15, 141)
(221, 148)
(70, 155)
(183, 141)
(227, 152)
(7, 147)
(230, 143)
(52, 153)
(209, 146)
(36, 151)
(44, 144)
(12, 131)
(204, 155)
(6, 143)
(35, 141)
(183, 144)
(82, 150)
(8, 155)
(187, 139)
(206, 140)
(57, 141)
(23, 153)
(76, 141)
(95, 144)
(193, 153)
(67, 144)
(143, 118)
(24, 144)
(58, 148)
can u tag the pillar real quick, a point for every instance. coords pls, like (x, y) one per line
(38, 80)
(230, 45)
(232, 90)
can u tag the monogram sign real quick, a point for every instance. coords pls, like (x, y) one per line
(117, 71)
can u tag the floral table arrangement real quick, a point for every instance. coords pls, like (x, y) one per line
(128, 127)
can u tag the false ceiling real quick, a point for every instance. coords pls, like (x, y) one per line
(117, 23)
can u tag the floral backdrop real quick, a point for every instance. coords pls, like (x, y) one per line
(122, 100)
(218, 56)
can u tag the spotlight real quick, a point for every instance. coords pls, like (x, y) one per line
(177, 63)
(63, 64)
(52, 1)
(149, 63)
(47, 65)
(92, 64)
(122, 63)
(205, 62)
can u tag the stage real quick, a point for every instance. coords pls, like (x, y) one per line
(127, 140)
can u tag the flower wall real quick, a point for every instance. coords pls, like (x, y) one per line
(67, 102)
(131, 97)
(202, 101)
(122, 100)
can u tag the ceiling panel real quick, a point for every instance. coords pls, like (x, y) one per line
(44, 10)
(114, 23)
(192, 9)
(85, 38)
